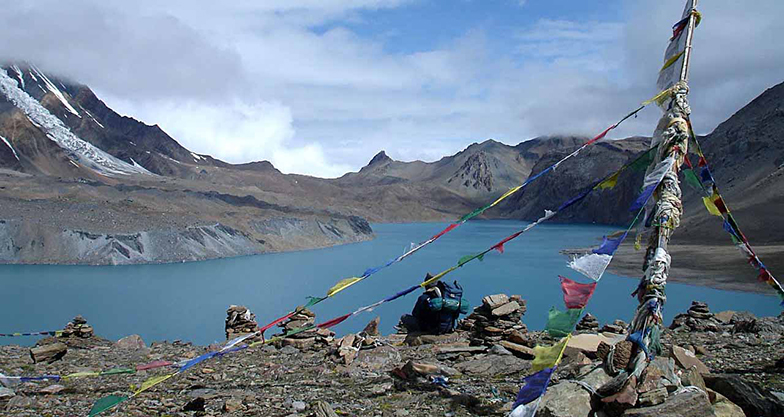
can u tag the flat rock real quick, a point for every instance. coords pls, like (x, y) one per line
(588, 343)
(460, 349)
(652, 397)
(494, 301)
(685, 404)
(518, 350)
(505, 309)
(724, 317)
(686, 359)
(52, 389)
(378, 358)
(491, 365)
(132, 342)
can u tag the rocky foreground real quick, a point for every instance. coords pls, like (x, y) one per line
(723, 364)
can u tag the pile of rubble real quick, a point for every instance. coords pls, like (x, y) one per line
(698, 318)
(312, 338)
(239, 321)
(498, 322)
(78, 327)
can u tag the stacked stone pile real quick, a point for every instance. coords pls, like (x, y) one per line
(617, 327)
(78, 327)
(697, 318)
(589, 322)
(239, 321)
(306, 339)
(498, 321)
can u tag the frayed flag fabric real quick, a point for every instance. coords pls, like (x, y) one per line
(535, 386)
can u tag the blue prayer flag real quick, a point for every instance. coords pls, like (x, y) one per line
(535, 386)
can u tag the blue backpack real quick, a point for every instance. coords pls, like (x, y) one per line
(449, 307)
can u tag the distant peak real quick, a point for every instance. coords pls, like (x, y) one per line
(380, 158)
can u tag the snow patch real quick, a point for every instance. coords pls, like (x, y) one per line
(73, 163)
(20, 75)
(83, 152)
(93, 118)
(32, 76)
(57, 93)
(9, 145)
(136, 164)
(131, 142)
(196, 158)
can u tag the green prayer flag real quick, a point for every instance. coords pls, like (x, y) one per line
(105, 403)
(560, 324)
(643, 161)
(473, 214)
(691, 178)
(468, 258)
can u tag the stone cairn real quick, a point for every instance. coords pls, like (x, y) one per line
(78, 327)
(498, 319)
(239, 321)
(697, 318)
(307, 339)
(589, 323)
(617, 327)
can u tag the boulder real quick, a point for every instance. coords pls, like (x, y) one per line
(372, 328)
(6, 393)
(323, 409)
(754, 400)
(652, 397)
(686, 359)
(693, 403)
(722, 406)
(48, 353)
(132, 342)
(505, 309)
(565, 399)
(622, 400)
(588, 343)
(691, 377)
(724, 317)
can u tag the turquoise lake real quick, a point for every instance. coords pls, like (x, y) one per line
(188, 301)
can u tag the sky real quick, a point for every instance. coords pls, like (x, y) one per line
(318, 87)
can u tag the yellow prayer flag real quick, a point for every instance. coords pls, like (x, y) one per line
(152, 382)
(610, 182)
(506, 194)
(671, 61)
(81, 375)
(712, 209)
(549, 356)
(658, 98)
(437, 277)
(342, 285)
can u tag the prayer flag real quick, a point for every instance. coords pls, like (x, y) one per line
(342, 285)
(152, 382)
(673, 56)
(638, 338)
(610, 182)
(548, 357)
(526, 410)
(118, 371)
(153, 365)
(705, 175)
(591, 265)
(560, 324)
(691, 178)
(197, 360)
(333, 322)
(81, 375)
(576, 295)
(712, 209)
(609, 245)
(445, 231)
(106, 403)
(535, 386)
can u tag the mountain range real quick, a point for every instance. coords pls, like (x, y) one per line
(80, 183)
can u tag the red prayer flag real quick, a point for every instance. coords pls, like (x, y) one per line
(687, 162)
(500, 245)
(445, 231)
(576, 295)
(764, 275)
(333, 322)
(703, 162)
(153, 365)
(599, 136)
(286, 317)
(719, 202)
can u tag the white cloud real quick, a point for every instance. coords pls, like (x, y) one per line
(290, 82)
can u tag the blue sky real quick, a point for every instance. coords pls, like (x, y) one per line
(319, 86)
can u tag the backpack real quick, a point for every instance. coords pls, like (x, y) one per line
(449, 307)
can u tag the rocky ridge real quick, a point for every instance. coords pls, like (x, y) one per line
(733, 370)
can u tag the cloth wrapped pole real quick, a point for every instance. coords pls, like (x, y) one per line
(671, 138)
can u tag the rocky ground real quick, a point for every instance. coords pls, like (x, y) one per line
(475, 371)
